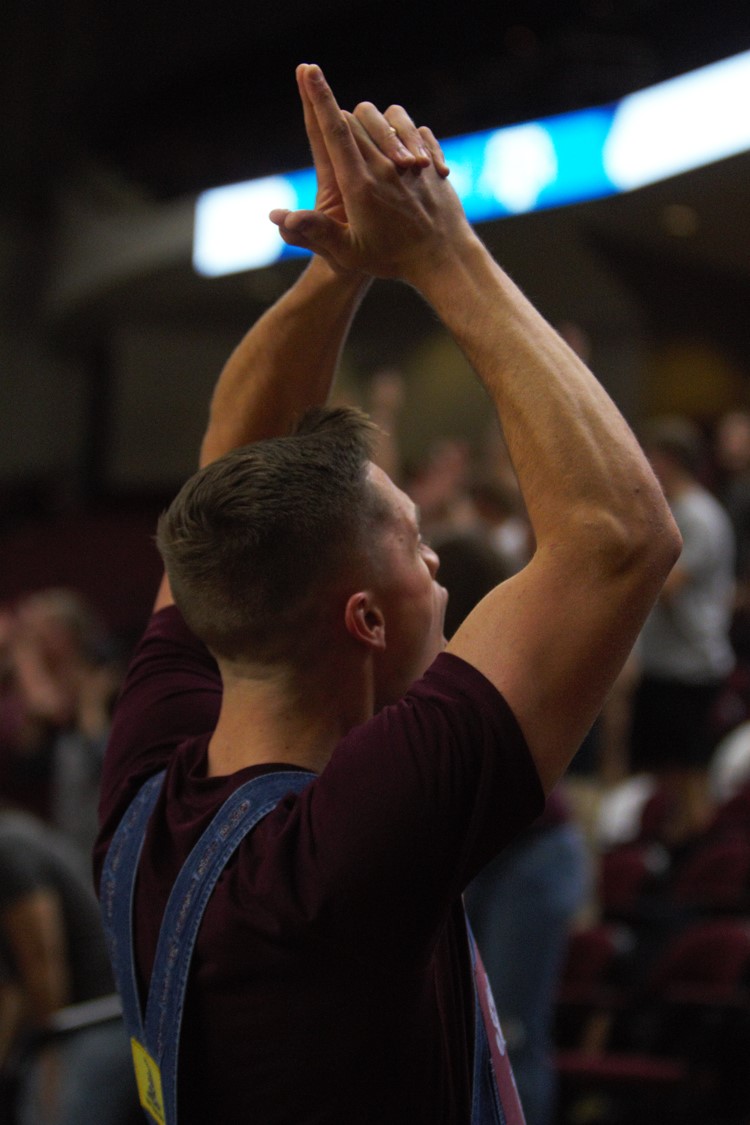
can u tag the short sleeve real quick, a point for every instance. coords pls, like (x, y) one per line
(172, 692)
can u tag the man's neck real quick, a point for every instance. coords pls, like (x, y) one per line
(280, 717)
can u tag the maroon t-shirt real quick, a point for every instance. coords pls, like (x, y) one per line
(331, 979)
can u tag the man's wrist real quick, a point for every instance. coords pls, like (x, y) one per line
(435, 272)
(354, 280)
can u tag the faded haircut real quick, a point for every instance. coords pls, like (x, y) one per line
(253, 541)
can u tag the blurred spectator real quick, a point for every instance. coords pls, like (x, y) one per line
(53, 952)
(729, 771)
(732, 448)
(684, 651)
(500, 507)
(620, 811)
(613, 728)
(25, 738)
(439, 488)
(60, 678)
(469, 568)
(522, 907)
(385, 402)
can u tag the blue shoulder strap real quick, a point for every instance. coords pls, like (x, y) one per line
(117, 890)
(155, 1039)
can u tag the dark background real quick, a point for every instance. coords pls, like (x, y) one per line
(181, 96)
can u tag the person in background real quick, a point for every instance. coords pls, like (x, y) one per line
(54, 955)
(684, 653)
(62, 674)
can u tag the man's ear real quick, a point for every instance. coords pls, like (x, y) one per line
(364, 620)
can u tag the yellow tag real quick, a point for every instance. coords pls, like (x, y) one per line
(148, 1079)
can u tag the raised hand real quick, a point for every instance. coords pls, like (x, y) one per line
(382, 196)
(397, 137)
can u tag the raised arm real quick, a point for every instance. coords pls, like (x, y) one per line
(287, 361)
(553, 637)
(284, 365)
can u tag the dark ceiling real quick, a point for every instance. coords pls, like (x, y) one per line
(174, 97)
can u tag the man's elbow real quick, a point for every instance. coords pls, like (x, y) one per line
(673, 543)
(646, 543)
(661, 541)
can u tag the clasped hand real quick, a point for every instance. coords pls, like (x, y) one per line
(384, 206)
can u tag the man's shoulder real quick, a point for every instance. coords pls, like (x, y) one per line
(453, 703)
(451, 676)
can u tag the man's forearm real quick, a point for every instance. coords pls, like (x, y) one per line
(286, 362)
(553, 638)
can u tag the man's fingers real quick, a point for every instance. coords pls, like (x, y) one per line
(295, 224)
(398, 138)
(408, 134)
(368, 147)
(310, 230)
(334, 129)
(394, 134)
(434, 149)
(320, 155)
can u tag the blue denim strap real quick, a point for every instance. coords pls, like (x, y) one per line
(187, 903)
(117, 890)
(159, 1034)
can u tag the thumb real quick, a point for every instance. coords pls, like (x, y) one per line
(311, 230)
